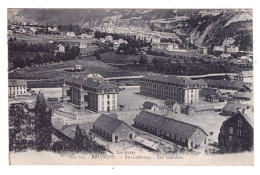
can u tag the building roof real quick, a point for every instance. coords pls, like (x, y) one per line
(208, 91)
(149, 104)
(243, 95)
(15, 82)
(67, 130)
(92, 81)
(233, 106)
(108, 123)
(171, 79)
(225, 83)
(169, 125)
(197, 108)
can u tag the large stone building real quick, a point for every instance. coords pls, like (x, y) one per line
(182, 89)
(17, 87)
(91, 92)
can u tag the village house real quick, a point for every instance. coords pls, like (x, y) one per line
(78, 67)
(150, 106)
(203, 50)
(83, 45)
(91, 92)
(173, 105)
(242, 96)
(181, 89)
(71, 34)
(237, 133)
(112, 129)
(198, 109)
(17, 87)
(211, 94)
(244, 76)
(231, 108)
(231, 49)
(175, 131)
(165, 46)
(219, 48)
(61, 49)
(109, 38)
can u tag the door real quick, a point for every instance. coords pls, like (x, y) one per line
(130, 136)
(116, 138)
(108, 109)
(205, 141)
(192, 143)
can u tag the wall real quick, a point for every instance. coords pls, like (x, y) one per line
(123, 132)
(198, 137)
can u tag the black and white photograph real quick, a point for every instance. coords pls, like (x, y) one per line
(137, 86)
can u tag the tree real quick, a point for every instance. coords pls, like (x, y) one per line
(42, 123)
(21, 128)
(143, 59)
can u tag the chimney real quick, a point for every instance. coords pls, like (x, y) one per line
(237, 109)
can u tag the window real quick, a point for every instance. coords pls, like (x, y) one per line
(162, 132)
(183, 139)
(172, 136)
(239, 132)
(230, 138)
(108, 102)
(230, 130)
(102, 102)
(107, 96)
(239, 123)
(114, 102)
(177, 138)
(167, 134)
(113, 107)
(113, 96)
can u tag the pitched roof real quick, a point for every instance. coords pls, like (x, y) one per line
(232, 106)
(15, 82)
(92, 82)
(171, 79)
(208, 91)
(108, 123)
(197, 108)
(167, 124)
(243, 95)
(149, 104)
(67, 130)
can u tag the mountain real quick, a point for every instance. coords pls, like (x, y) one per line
(202, 27)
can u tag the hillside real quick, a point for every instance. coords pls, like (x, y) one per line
(202, 27)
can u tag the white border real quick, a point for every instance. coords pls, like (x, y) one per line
(117, 4)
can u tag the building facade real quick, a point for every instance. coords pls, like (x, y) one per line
(91, 92)
(17, 87)
(244, 76)
(181, 89)
(112, 129)
(236, 133)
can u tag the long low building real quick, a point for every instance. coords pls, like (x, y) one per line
(175, 131)
(17, 87)
(224, 84)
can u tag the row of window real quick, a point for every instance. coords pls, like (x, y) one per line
(17, 88)
(167, 83)
(162, 132)
(108, 96)
(17, 92)
(113, 108)
(102, 132)
(108, 102)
